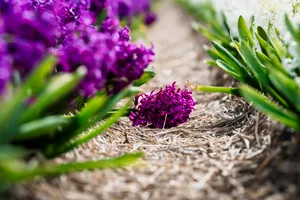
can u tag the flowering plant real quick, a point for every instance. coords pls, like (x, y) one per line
(55, 53)
(264, 58)
(29, 129)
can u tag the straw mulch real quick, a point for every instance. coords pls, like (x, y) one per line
(226, 151)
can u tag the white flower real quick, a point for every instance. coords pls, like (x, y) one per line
(269, 14)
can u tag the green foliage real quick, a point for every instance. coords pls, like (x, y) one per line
(35, 129)
(255, 60)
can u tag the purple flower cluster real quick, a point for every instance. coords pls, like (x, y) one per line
(129, 8)
(31, 29)
(167, 108)
(26, 34)
(131, 61)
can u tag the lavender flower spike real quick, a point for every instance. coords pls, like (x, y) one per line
(167, 108)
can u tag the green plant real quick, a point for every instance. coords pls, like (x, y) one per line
(33, 129)
(258, 67)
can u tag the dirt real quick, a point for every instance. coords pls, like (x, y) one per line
(226, 151)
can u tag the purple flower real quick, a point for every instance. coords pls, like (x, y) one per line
(112, 61)
(23, 21)
(92, 49)
(150, 18)
(31, 29)
(140, 6)
(29, 33)
(127, 9)
(131, 61)
(120, 9)
(5, 66)
(167, 108)
(71, 13)
(97, 6)
(110, 26)
(124, 34)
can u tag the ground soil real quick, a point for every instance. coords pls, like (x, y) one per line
(226, 151)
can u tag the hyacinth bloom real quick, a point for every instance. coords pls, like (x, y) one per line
(31, 29)
(166, 108)
(112, 61)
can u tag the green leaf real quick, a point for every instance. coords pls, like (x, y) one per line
(278, 46)
(147, 76)
(25, 172)
(108, 106)
(266, 106)
(224, 90)
(9, 152)
(211, 63)
(92, 107)
(276, 63)
(42, 127)
(11, 112)
(224, 66)
(287, 87)
(263, 58)
(226, 26)
(294, 32)
(209, 34)
(244, 31)
(37, 80)
(270, 45)
(58, 87)
(263, 34)
(267, 47)
(253, 63)
(213, 54)
(230, 60)
(292, 29)
(54, 150)
(88, 117)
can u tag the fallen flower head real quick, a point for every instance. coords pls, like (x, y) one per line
(167, 108)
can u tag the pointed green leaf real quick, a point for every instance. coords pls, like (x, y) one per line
(287, 87)
(267, 47)
(213, 89)
(37, 80)
(53, 150)
(11, 112)
(244, 31)
(9, 152)
(14, 172)
(253, 63)
(211, 63)
(92, 107)
(58, 87)
(224, 66)
(266, 106)
(292, 29)
(230, 60)
(209, 34)
(213, 54)
(41, 127)
(147, 76)
(263, 58)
